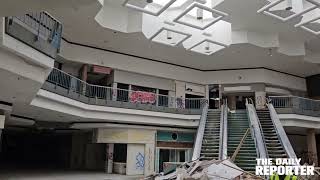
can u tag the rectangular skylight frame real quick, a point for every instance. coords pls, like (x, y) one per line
(171, 30)
(265, 10)
(197, 5)
(304, 27)
(126, 4)
(207, 40)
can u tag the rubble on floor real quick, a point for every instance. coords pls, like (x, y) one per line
(207, 170)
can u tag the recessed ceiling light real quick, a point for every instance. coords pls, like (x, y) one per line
(169, 36)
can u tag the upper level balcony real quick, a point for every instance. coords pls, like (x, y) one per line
(69, 86)
(296, 105)
(38, 30)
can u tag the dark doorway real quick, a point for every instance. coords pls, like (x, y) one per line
(120, 153)
(164, 156)
(28, 149)
(214, 101)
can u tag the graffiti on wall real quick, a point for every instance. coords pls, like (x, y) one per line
(142, 97)
(140, 161)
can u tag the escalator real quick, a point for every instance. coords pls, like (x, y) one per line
(272, 141)
(211, 137)
(238, 123)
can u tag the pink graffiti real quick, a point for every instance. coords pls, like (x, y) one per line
(142, 97)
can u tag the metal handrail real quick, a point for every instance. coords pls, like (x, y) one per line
(300, 105)
(224, 134)
(282, 135)
(221, 132)
(200, 132)
(42, 25)
(256, 129)
(74, 84)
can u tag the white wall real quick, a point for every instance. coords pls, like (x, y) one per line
(152, 68)
(128, 63)
(143, 80)
(255, 76)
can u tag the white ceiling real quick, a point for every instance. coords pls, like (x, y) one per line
(80, 27)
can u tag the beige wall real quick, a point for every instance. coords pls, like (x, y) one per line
(132, 137)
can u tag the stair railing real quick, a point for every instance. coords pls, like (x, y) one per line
(282, 135)
(200, 132)
(256, 130)
(223, 144)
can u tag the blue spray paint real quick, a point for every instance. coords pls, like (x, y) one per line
(140, 161)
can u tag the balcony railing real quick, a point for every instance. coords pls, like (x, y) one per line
(298, 105)
(79, 89)
(38, 30)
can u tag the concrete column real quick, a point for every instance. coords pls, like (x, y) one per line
(84, 73)
(207, 92)
(260, 98)
(180, 94)
(84, 77)
(220, 95)
(2, 119)
(149, 159)
(130, 92)
(260, 95)
(172, 102)
(157, 97)
(1, 140)
(312, 146)
(109, 162)
(115, 92)
(232, 102)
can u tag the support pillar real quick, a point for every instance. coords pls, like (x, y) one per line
(1, 140)
(109, 162)
(260, 98)
(2, 119)
(171, 100)
(232, 102)
(312, 146)
(180, 94)
(207, 96)
(114, 91)
(157, 97)
(84, 77)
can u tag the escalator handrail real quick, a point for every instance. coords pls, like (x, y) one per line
(256, 131)
(200, 132)
(224, 133)
(282, 135)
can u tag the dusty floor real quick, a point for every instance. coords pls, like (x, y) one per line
(61, 175)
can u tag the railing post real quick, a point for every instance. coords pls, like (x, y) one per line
(129, 92)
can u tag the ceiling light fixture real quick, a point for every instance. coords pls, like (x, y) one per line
(289, 5)
(169, 36)
(199, 13)
(270, 52)
(207, 46)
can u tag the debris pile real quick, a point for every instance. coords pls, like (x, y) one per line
(204, 170)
